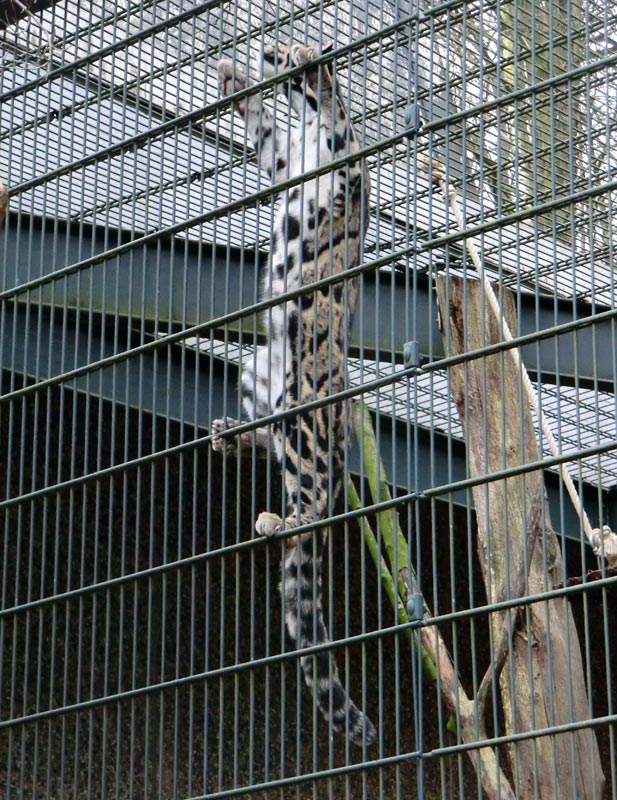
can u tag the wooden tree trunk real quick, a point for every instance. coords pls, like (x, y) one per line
(543, 683)
(4, 201)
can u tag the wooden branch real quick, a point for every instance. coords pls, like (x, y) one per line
(11, 11)
(436, 660)
(4, 201)
(396, 601)
(590, 576)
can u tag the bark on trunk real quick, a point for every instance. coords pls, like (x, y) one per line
(543, 683)
(4, 201)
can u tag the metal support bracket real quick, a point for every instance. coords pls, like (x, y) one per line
(415, 606)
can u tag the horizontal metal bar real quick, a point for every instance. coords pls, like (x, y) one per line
(358, 43)
(258, 87)
(124, 91)
(114, 47)
(350, 393)
(247, 545)
(291, 655)
(438, 752)
(440, 491)
(442, 472)
(310, 777)
(263, 194)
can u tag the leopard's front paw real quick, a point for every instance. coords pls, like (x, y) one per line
(268, 524)
(223, 444)
(339, 205)
(301, 55)
(231, 80)
(269, 59)
(274, 59)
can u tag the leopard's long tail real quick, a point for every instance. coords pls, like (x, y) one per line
(302, 587)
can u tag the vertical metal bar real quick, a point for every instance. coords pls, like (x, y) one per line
(83, 527)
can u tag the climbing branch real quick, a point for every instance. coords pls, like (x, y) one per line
(11, 11)
(436, 661)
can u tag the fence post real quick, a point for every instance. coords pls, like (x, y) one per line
(542, 684)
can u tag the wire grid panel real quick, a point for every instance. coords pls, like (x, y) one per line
(143, 644)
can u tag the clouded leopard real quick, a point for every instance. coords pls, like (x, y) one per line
(317, 231)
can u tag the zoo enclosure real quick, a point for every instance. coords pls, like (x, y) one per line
(140, 637)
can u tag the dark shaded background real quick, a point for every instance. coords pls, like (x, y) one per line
(238, 727)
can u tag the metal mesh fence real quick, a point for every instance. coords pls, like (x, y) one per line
(144, 650)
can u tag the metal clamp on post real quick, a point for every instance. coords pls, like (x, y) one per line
(412, 119)
(411, 354)
(415, 606)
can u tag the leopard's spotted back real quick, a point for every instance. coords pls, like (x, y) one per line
(317, 232)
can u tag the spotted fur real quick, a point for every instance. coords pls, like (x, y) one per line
(318, 229)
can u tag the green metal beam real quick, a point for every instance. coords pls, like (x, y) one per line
(175, 284)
